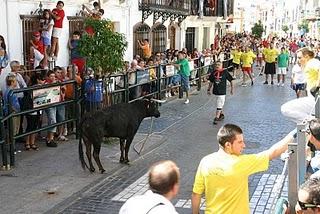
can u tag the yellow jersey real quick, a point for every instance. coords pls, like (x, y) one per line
(247, 59)
(270, 55)
(236, 56)
(224, 180)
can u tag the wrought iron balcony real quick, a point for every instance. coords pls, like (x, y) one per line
(173, 9)
(179, 6)
(195, 10)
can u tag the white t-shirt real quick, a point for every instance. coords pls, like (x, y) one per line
(298, 74)
(150, 203)
(48, 33)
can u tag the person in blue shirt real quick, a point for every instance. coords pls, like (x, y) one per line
(11, 102)
(93, 92)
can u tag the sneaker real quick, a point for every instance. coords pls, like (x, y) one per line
(187, 101)
(271, 82)
(166, 95)
(251, 83)
(282, 84)
(62, 138)
(278, 84)
(244, 85)
(51, 143)
(266, 83)
(54, 58)
(169, 94)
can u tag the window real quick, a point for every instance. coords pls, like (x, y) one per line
(30, 23)
(159, 37)
(75, 24)
(190, 38)
(140, 32)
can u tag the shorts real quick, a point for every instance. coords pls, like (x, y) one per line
(52, 119)
(235, 65)
(61, 113)
(220, 101)
(270, 68)
(80, 63)
(46, 41)
(246, 70)
(299, 87)
(282, 71)
(185, 84)
(56, 33)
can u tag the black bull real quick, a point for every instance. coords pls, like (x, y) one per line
(120, 120)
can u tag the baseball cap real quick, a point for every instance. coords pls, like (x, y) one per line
(36, 33)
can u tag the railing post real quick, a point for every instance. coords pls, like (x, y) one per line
(11, 140)
(301, 152)
(4, 137)
(199, 74)
(317, 108)
(293, 177)
(77, 110)
(158, 70)
(126, 87)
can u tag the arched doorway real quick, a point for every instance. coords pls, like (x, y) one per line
(159, 38)
(141, 31)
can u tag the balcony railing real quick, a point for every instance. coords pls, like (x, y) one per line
(194, 9)
(173, 6)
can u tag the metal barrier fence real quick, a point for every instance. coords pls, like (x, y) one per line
(116, 90)
(44, 97)
(297, 165)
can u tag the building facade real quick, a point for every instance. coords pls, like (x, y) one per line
(166, 23)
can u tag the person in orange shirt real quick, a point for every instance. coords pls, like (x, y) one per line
(145, 46)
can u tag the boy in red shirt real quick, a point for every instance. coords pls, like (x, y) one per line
(37, 49)
(58, 16)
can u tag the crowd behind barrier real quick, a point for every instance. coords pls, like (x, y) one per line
(95, 92)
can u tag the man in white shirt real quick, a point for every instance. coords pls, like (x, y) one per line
(164, 179)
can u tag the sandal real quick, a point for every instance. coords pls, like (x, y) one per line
(27, 146)
(35, 147)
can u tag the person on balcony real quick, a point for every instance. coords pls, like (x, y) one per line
(58, 16)
(46, 27)
(37, 49)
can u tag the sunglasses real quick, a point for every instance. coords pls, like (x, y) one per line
(305, 206)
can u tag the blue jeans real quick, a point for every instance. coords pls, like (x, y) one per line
(52, 118)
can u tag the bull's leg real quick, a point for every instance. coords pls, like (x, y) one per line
(88, 152)
(122, 150)
(128, 143)
(96, 152)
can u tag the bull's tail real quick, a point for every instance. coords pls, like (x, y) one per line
(81, 156)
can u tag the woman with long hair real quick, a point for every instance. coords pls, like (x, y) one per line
(46, 26)
(4, 59)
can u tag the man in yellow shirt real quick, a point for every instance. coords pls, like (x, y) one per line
(247, 59)
(145, 46)
(223, 176)
(236, 57)
(270, 55)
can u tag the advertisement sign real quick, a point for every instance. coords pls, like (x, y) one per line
(143, 76)
(46, 96)
(170, 70)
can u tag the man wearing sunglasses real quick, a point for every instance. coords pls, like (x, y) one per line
(309, 197)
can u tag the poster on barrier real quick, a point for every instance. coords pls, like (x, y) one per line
(170, 70)
(191, 65)
(46, 96)
(207, 61)
(143, 76)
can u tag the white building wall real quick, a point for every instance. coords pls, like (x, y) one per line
(124, 15)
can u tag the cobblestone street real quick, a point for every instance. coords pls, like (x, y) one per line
(189, 135)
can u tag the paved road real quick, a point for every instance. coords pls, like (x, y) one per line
(187, 135)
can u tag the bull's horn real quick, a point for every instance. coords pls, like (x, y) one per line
(158, 101)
